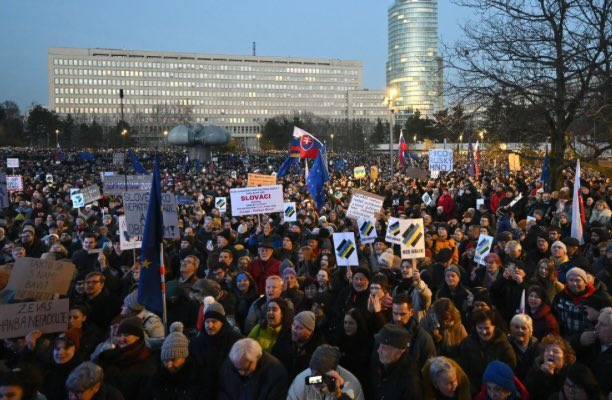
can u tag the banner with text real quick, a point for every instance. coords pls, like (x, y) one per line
(257, 200)
(14, 183)
(12, 163)
(37, 279)
(441, 160)
(260, 180)
(17, 320)
(135, 183)
(364, 204)
(135, 205)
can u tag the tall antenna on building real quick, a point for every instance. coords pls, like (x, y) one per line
(254, 49)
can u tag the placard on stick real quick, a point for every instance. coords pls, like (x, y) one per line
(364, 204)
(34, 278)
(483, 248)
(413, 238)
(346, 249)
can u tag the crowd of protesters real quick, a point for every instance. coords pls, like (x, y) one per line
(258, 308)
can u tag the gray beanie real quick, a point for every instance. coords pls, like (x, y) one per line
(307, 319)
(131, 302)
(454, 269)
(325, 358)
(176, 345)
(216, 311)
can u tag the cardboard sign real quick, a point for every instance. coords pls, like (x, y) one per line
(127, 242)
(136, 204)
(33, 278)
(364, 204)
(514, 162)
(91, 193)
(118, 158)
(14, 183)
(49, 178)
(413, 238)
(290, 214)
(184, 200)
(221, 204)
(427, 199)
(12, 163)
(483, 248)
(359, 172)
(4, 194)
(393, 231)
(135, 183)
(345, 248)
(261, 180)
(367, 230)
(374, 172)
(416, 173)
(257, 200)
(17, 320)
(434, 174)
(440, 160)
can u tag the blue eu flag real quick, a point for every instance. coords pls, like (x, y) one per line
(316, 178)
(136, 163)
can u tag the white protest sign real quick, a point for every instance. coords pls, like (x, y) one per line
(91, 193)
(346, 250)
(257, 200)
(367, 230)
(49, 178)
(233, 174)
(17, 320)
(221, 204)
(127, 242)
(479, 202)
(413, 238)
(483, 248)
(529, 219)
(364, 204)
(37, 279)
(393, 231)
(136, 204)
(427, 199)
(14, 183)
(12, 162)
(118, 158)
(4, 194)
(77, 198)
(440, 160)
(116, 184)
(435, 174)
(290, 213)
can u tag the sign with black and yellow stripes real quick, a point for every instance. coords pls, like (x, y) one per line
(345, 248)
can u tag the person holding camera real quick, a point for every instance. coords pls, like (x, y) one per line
(325, 379)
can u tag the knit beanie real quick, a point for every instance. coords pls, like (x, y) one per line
(386, 259)
(579, 272)
(482, 295)
(131, 326)
(286, 263)
(559, 243)
(454, 269)
(289, 272)
(176, 344)
(214, 310)
(325, 358)
(306, 319)
(131, 302)
(364, 271)
(501, 374)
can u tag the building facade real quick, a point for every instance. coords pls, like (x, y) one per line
(414, 68)
(239, 93)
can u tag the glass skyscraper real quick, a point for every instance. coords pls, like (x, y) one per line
(414, 67)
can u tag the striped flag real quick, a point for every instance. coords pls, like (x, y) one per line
(578, 218)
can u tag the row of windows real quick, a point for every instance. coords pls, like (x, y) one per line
(212, 67)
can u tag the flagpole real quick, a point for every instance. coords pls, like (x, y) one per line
(162, 273)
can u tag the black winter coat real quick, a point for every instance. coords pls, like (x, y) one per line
(399, 381)
(268, 382)
(182, 385)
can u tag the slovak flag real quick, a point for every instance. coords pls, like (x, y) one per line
(59, 154)
(403, 147)
(309, 145)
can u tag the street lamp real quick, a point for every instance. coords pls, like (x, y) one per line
(332, 138)
(124, 134)
(414, 138)
(460, 143)
(57, 137)
(391, 95)
(258, 136)
(165, 139)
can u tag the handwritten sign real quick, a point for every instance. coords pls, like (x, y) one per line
(440, 160)
(33, 278)
(17, 320)
(260, 180)
(12, 163)
(116, 184)
(136, 205)
(257, 200)
(91, 193)
(364, 204)
(14, 183)
(126, 241)
(118, 158)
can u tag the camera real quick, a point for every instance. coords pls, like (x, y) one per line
(329, 381)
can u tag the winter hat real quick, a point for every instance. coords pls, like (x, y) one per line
(393, 335)
(289, 272)
(571, 242)
(501, 374)
(131, 302)
(444, 255)
(131, 326)
(579, 272)
(286, 263)
(215, 311)
(72, 337)
(454, 269)
(386, 259)
(29, 229)
(176, 344)
(306, 319)
(559, 243)
(364, 271)
(325, 358)
(482, 295)
(226, 235)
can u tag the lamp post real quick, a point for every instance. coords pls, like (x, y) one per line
(165, 139)
(124, 134)
(460, 143)
(258, 137)
(332, 138)
(391, 95)
(57, 137)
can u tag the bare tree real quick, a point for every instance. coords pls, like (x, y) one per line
(552, 55)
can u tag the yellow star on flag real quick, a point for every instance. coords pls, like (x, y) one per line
(146, 263)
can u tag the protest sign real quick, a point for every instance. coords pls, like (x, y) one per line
(514, 162)
(434, 174)
(359, 172)
(427, 199)
(440, 160)
(367, 230)
(4, 194)
(38, 279)
(118, 158)
(483, 248)
(127, 242)
(17, 320)
(374, 172)
(416, 173)
(116, 184)
(529, 219)
(91, 193)
(290, 212)
(221, 204)
(49, 178)
(364, 204)
(12, 163)
(184, 200)
(260, 180)
(77, 198)
(14, 183)
(346, 250)
(413, 238)
(257, 200)
(479, 202)
(136, 205)
(393, 231)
